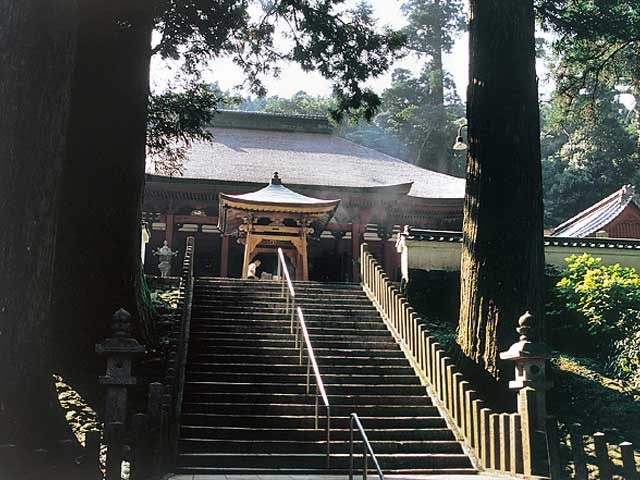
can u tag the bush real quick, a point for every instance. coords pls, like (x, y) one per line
(603, 294)
(599, 303)
(625, 363)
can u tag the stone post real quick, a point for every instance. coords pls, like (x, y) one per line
(530, 357)
(119, 348)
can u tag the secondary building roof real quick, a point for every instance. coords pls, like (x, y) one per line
(598, 216)
(250, 146)
(278, 200)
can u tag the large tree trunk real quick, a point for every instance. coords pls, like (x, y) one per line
(502, 256)
(36, 63)
(99, 209)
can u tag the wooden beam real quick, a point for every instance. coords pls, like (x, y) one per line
(224, 256)
(197, 219)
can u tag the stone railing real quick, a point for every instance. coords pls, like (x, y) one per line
(602, 455)
(143, 441)
(509, 442)
(179, 351)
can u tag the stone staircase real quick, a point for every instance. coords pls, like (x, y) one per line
(245, 409)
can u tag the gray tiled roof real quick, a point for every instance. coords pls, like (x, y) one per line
(428, 235)
(278, 194)
(597, 216)
(252, 155)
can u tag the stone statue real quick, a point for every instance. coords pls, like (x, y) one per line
(165, 255)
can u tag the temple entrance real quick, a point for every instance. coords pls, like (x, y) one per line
(275, 217)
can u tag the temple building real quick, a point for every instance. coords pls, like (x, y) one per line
(329, 197)
(616, 216)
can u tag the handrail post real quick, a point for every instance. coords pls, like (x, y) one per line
(366, 449)
(328, 428)
(317, 401)
(351, 447)
(364, 461)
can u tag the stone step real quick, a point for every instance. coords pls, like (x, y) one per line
(280, 308)
(278, 433)
(307, 421)
(285, 323)
(299, 369)
(284, 328)
(301, 388)
(277, 285)
(286, 341)
(266, 350)
(223, 397)
(277, 301)
(341, 285)
(318, 461)
(329, 379)
(319, 472)
(207, 445)
(326, 360)
(308, 409)
(246, 408)
(269, 314)
(275, 339)
(274, 290)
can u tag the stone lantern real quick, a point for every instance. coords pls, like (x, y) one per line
(165, 257)
(530, 357)
(120, 349)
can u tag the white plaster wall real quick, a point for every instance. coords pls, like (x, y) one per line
(446, 256)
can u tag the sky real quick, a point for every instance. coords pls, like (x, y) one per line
(293, 79)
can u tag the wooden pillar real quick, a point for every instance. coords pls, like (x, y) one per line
(355, 251)
(224, 256)
(247, 255)
(337, 253)
(384, 232)
(168, 233)
(305, 257)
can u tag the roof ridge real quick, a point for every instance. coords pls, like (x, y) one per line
(620, 194)
(394, 158)
(275, 114)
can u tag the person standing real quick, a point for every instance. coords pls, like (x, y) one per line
(253, 269)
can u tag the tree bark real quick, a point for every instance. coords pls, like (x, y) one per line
(99, 209)
(502, 255)
(36, 64)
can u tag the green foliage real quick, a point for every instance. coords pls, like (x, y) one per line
(626, 363)
(300, 103)
(591, 145)
(175, 120)
(433, 25)
(603, 294)
(589, 137)
(598, 43)
(600, 304)
(344, 45)
(409, 111)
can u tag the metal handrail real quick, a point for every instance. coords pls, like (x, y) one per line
(320, 390)
(366, 448)
(285, 281)
(302, 341)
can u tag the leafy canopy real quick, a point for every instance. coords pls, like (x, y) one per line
(598, 42)
(342, 44)
(590, 145)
